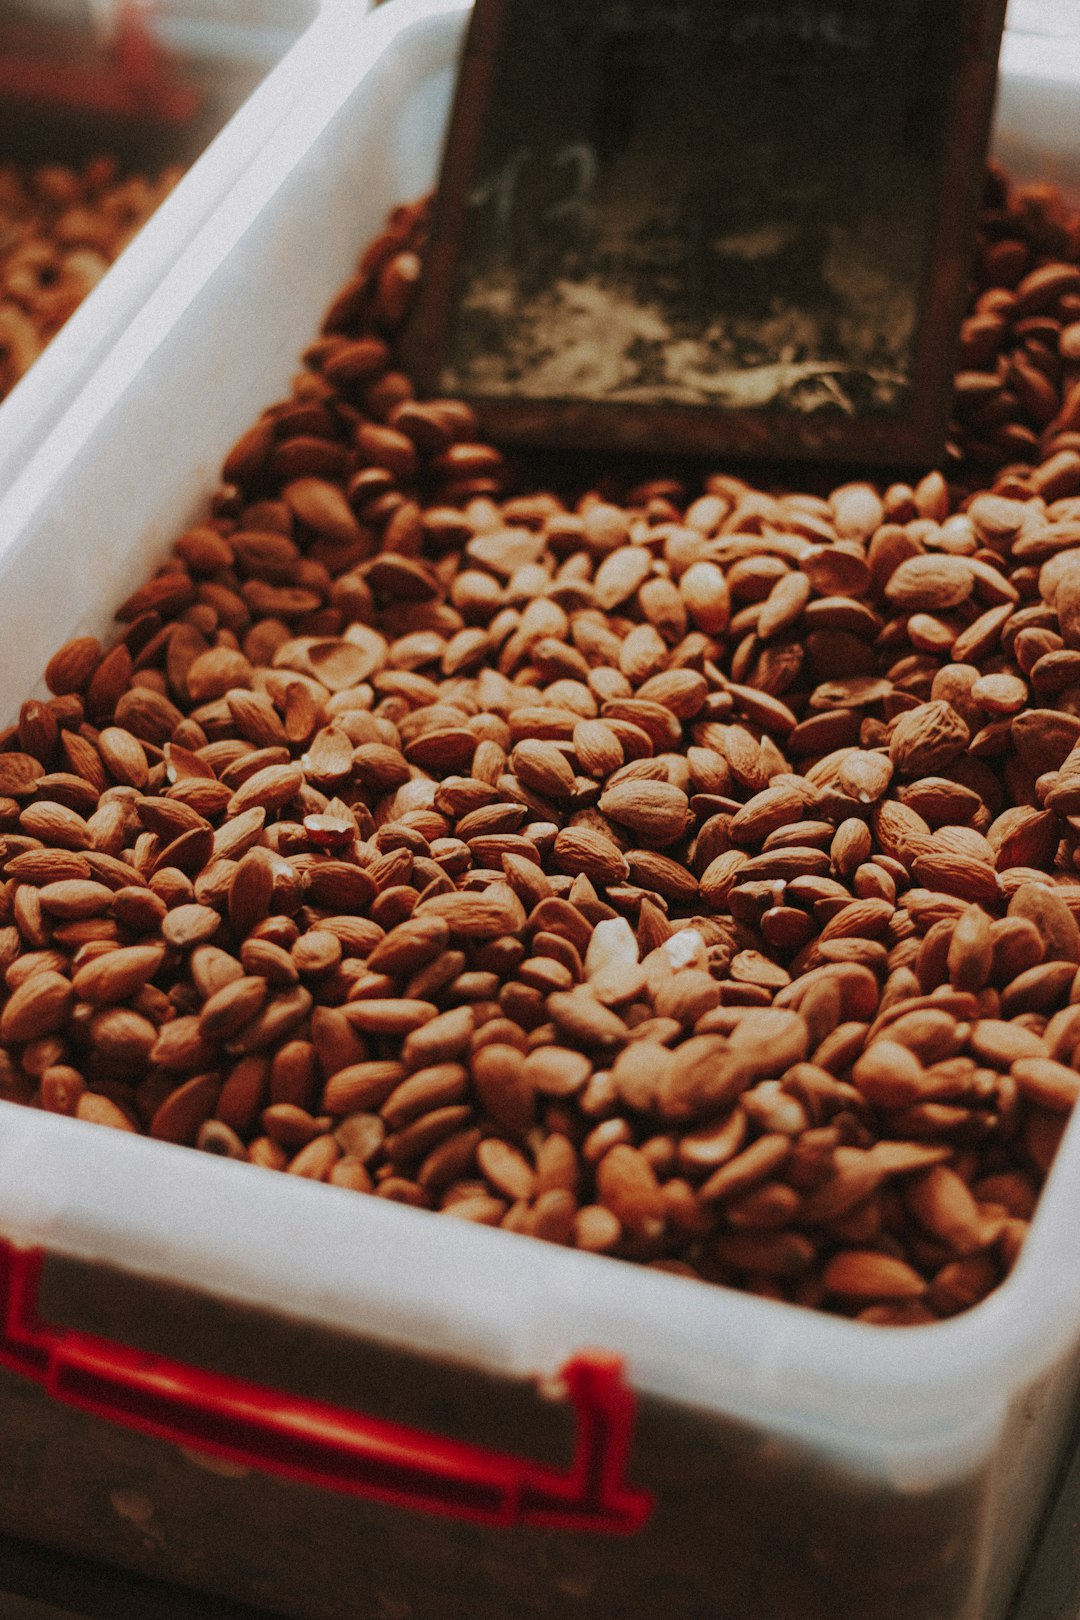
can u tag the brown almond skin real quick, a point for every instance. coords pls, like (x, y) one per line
(96, 1110)
(184, 1110)
(361, 1086)
(657, 811)
(61, 1089)
(410, 945)
(556, 1071)
(36, 1008)
(506, 1168)
(244, 1093)
(122, 1035)
(627, 1185)
(316, 1160)
(434, 1087)
(74, 898)
(868, 1275)
(70, 668)
(231, 1008)
(503, 1086)
(119, 974)
(944, 1205)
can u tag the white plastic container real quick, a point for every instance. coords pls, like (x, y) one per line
(259, 65)
(1039, 94)
(798, 1465)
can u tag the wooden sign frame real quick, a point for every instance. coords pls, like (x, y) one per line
(905, 434)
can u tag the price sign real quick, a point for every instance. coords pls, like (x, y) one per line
(732, 226)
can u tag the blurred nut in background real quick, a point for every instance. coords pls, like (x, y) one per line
(60, 229)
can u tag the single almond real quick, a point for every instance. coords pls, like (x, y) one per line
(39, 1006)
(118, 974)
(657, 812)
(866, 1274)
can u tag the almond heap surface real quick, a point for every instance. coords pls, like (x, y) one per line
(689, 876)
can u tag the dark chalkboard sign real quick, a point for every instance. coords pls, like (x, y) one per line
(710, 225)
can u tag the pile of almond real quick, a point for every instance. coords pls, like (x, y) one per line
(60, 229)
(687, 877)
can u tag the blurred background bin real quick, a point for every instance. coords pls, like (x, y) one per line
(160, 87)
(1039, 94)
(149, 80)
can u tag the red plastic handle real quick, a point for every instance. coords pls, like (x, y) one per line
(331, 1446)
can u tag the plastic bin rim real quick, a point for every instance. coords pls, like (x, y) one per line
(504, 1301)
(699, 1344)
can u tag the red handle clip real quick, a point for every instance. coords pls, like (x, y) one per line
(327, 1445)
